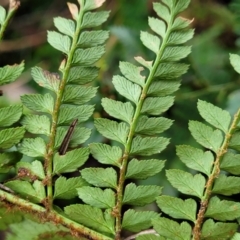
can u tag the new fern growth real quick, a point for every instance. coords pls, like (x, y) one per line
(56, 131)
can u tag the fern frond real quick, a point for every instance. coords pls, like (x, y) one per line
(66, 103)
(138, 123)
(211, 220)
(9, 136)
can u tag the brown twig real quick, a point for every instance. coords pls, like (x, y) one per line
(63, 148)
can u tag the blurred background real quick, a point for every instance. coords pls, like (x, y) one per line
(210, 77)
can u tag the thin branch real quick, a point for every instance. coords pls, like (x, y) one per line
(149, 231)
(63, 148)
(6, 189)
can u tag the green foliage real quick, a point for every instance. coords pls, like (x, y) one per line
(214, 210)
(9, 218)
(139, 118)
(56, 196)
(65, 103)
(10, 115)
(9, 136)
(92, 217)
(136, 221)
